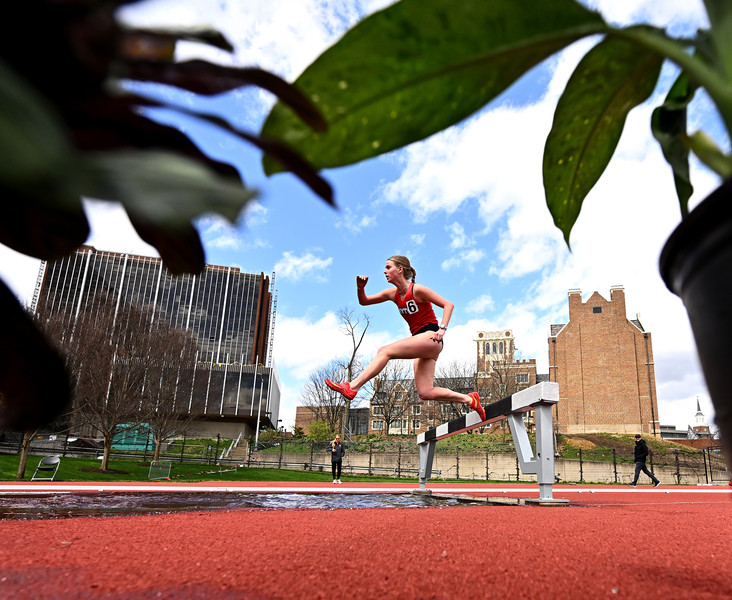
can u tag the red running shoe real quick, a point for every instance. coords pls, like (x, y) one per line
(475, 405)
(342, 388)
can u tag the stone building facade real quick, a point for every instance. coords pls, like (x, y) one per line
(603, 363)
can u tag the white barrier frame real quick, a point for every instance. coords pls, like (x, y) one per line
(540, 398)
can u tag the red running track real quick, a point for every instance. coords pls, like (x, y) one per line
(610, 542)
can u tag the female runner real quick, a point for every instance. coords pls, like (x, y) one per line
(415, 305)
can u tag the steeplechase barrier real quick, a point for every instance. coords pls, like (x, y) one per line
(540, 398)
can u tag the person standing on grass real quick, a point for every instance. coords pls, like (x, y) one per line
(337, 450)
(414, 302)
(641, 452)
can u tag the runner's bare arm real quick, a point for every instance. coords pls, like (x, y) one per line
(364, 299)
(422, 293)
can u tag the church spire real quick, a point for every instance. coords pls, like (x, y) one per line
(699, 417)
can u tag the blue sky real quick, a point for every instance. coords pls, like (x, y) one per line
(465, 205)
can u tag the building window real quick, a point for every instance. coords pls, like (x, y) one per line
(415, 424)
(377, 410)
(502, 389)
(417, 409)
(494, 348)
(377, 424)
(500, 348)
(597, 309)
(522, 378)
(398, 396)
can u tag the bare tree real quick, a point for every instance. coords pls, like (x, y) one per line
(169, 381)
(501, 382)
(325, 404)
(355, 328)
(53, 327)
(394, 393)
(457, 376)
(110, 348)
(24, 451)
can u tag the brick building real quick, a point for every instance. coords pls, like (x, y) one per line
(603, 363)
(357, 419)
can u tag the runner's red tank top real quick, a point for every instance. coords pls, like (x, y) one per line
(416, 314)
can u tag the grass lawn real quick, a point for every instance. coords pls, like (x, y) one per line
(86, 469)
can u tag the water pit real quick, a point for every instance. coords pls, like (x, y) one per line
(34, 506)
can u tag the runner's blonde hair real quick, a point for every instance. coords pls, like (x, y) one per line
(402, 261)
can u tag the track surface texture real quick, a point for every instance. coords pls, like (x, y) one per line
(609, 542)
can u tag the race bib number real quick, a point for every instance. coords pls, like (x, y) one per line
(412, 307)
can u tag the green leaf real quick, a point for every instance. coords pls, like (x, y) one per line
(33, 141)
(203, 77)
(41, 222)
(34, 388)
(720, 31)
(668, 124)
(165, 187)
(418, 67)
(40, 175)
(610, 80)
(162, 194)
(710, 154)
(180, 247)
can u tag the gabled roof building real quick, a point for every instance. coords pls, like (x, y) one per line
(603, 363)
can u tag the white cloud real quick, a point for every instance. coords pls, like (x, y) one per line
(255, 214)
(417, 239)
(303, 344)
(355, 222)
(296, 267)
(218, 233)
(480, 304)
(682, 17)
(465, 260)
(278, 35)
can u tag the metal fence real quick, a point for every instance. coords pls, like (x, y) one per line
(464, 458)
(468, 460)
(211, 451)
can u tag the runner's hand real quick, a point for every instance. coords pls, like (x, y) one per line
(361, 281)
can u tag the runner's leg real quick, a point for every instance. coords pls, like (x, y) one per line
(417, 346)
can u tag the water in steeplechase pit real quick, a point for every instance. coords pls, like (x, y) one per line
(32, 506)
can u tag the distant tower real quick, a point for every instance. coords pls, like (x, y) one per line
(700, 428)
(699, 420)
(494, 346)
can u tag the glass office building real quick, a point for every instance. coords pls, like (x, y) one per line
(230, 312)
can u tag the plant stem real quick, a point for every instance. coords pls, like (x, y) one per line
(719, 89)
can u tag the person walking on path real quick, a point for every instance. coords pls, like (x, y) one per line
(337, 450)
(414, 302)
(641, 452)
